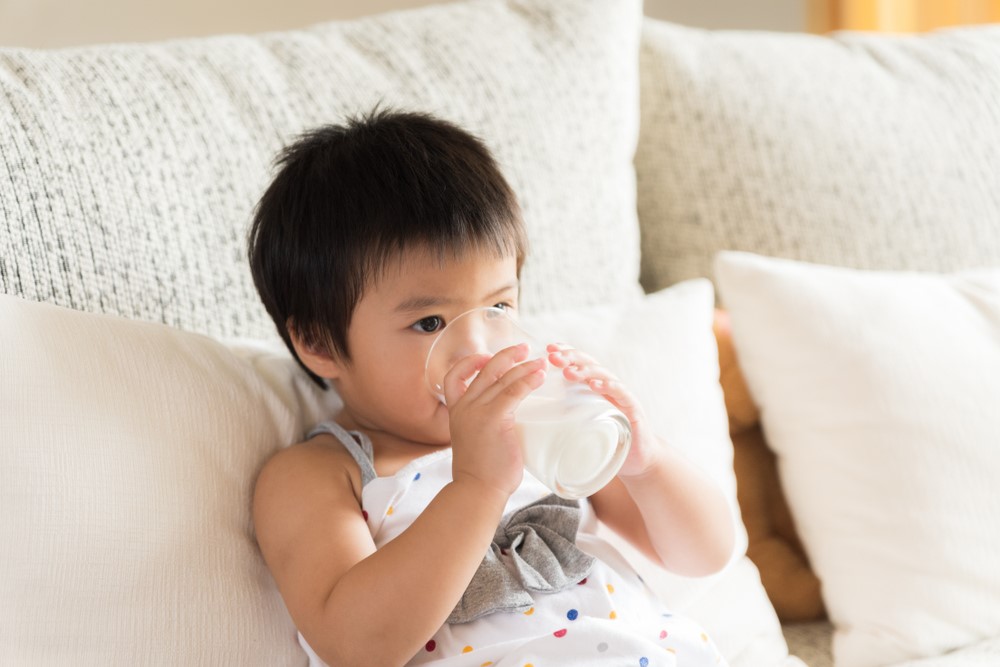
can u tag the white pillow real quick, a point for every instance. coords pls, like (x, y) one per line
(663, 348)
(132, 449)
(130, 452)
(879, 392)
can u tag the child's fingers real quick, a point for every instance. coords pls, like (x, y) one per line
(580, 367)
(615, 391)
(509, 390)
(562, 356)
(456, 381)
(495, 368)
(582, 373)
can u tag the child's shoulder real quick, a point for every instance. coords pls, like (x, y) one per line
(308, 523)
(319, 469)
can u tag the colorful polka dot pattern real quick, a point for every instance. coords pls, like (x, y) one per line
(600, 647)
(612, 648)
(606, 616)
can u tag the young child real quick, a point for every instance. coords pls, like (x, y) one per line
(403, 531)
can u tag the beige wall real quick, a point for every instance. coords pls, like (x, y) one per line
(54, 23)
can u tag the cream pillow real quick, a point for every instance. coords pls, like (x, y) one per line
(663, 348)
(130, 451)
(878, 391)
(133, 447)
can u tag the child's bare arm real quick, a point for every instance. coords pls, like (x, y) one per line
(660, 502)
(673, 513)
(353, 604)
(358, 606)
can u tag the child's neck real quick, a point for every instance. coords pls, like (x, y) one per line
(391, 452)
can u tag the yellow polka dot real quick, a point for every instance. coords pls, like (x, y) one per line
(388, 512)
(611, 589)
(528, 664)
(467, 649)
(672, 651)
(704, 637)
(530, 612)
(486, 664)
(613, 615)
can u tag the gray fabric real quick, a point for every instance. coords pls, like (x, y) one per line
(811, 642)
(128, 173)
(357, 444)
(865, 150)
(534, 550)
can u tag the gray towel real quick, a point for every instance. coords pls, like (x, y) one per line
(534, 549)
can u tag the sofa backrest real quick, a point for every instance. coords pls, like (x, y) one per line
(128, 173)
(864, 150)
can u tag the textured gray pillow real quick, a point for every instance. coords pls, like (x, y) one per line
(864, 150)
(128, 173)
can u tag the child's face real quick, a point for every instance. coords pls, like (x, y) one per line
(393, 327)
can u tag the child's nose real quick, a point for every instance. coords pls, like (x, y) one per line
(470, 339)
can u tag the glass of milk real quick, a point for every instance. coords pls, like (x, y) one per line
(574, 440)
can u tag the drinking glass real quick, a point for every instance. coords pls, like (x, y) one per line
(574, 440)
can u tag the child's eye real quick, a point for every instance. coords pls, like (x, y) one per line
(430, 324)
(503, 306)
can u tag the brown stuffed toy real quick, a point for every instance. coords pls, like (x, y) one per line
(774, 546)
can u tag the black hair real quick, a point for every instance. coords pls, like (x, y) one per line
(348, 198)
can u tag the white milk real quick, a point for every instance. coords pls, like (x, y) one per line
(574, 443)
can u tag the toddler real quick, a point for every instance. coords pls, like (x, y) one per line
(403, 530)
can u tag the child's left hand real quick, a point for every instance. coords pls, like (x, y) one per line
(580, 367)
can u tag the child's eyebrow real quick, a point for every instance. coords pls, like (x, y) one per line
(421, 302)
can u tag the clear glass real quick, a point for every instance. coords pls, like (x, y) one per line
(574, 440)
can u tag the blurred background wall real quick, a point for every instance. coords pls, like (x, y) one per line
(56, 23)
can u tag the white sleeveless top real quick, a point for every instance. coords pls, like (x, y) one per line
(608, 618)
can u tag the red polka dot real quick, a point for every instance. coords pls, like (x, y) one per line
(663, 634)
(582, 581)
(560, 633)
(431, 645)
(364, 514)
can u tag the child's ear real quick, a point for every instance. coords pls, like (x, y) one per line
(314, 356)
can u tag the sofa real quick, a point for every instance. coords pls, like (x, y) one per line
(788, 245)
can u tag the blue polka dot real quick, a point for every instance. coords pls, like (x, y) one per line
(416, 477)
(643, 662)
(572, 614)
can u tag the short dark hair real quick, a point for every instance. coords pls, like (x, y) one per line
(348, 198)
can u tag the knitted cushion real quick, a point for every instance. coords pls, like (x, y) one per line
(128, 173)
(863, 150)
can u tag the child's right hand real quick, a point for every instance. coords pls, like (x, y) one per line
(486, 444)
